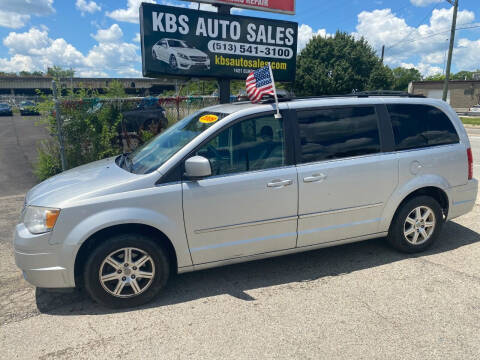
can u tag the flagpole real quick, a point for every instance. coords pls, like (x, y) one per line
(277, 115)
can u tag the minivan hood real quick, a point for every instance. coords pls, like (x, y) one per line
(97, 178)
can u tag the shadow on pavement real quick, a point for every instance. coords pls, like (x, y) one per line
(234, 280)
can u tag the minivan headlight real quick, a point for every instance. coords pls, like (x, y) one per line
(40, 220)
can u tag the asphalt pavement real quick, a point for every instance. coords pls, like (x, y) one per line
(357, 301)
(19, 138)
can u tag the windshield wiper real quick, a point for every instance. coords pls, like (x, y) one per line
(128, 162)
(122, 160)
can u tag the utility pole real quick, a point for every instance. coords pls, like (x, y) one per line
(383, 52)
(450, 48)
(224, 84)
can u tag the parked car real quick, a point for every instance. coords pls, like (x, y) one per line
(179, 55)
(5, 109)
(28, 108)
(148, 115)
(475, 108)
(233, 183)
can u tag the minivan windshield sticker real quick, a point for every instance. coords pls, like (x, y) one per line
(208, 119)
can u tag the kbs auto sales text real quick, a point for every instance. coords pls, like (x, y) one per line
(224, 29)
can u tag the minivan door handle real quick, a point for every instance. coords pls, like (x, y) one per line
(279, 183)
(315, 178)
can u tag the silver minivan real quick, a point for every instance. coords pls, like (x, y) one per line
(236, 182)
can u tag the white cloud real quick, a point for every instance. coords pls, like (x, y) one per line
(205, 7)
(17, 63)
(113, 56)
(86, 6)
(467, 54)
(28, 7)
(91, 74)
(306, 33)
(424, 2)
(427, 41)
(425, 69)
(23, 43)
(112, 34)
(35, 50)
(136, 38)
(130, 14)
(16, 14)
(12, 20)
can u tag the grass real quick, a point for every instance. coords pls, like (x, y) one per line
(471, 120)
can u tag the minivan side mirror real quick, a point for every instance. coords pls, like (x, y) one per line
(197, 167)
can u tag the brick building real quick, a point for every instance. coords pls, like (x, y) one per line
(462, 94)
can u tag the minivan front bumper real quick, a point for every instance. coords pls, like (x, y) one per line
(463, 199)
(39, 261)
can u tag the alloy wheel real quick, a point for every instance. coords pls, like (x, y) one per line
(419, 225)
(127, 272)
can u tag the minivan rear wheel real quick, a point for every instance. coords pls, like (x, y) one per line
(416, 225)
(126, 270)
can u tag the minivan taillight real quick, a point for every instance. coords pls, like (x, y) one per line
(470, 163)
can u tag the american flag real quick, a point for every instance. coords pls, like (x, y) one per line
(260, 83)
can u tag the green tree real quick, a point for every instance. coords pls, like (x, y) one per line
(464, 75)
(403, 77)
(28, 73)
(381, 78)
(337, 65)
(435, 77)
(57, 72)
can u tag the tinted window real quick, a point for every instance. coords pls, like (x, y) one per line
(253, 144)
(420, 126)
(158, 150)
(337, 133)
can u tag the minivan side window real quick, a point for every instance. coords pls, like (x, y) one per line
(253, 144)
(420, 126)
(335, 133)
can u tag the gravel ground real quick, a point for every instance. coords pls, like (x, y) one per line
(362, 301)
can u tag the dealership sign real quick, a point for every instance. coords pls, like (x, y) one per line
(183, 42)
(279, 6)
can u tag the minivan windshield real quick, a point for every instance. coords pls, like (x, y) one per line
(157, 151)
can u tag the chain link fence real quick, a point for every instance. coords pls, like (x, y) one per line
(95, 128)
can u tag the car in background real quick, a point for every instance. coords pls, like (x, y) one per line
(5, 109)
(475, 108)
(179, 55)
(148, 115)
(281, 94)
(242, 96)
(28, 108)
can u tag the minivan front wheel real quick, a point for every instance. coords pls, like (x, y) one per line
(416, 225)
(126, 270)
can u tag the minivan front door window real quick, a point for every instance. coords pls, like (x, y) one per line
(153, 154)
(253, 144)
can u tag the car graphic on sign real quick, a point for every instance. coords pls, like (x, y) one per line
(179, 55)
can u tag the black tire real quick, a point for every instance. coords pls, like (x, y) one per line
(159, 262)
(396, 234)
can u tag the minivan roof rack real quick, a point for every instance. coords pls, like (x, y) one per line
(268, 99)
(361, 94)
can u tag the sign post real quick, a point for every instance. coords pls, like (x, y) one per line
(223, 83)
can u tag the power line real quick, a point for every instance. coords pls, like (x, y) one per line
(433, 35)
(414, 28)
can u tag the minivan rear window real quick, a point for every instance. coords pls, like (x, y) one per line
(335, 133)
(416, 125)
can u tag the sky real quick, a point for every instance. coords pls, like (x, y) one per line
(100, 38)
